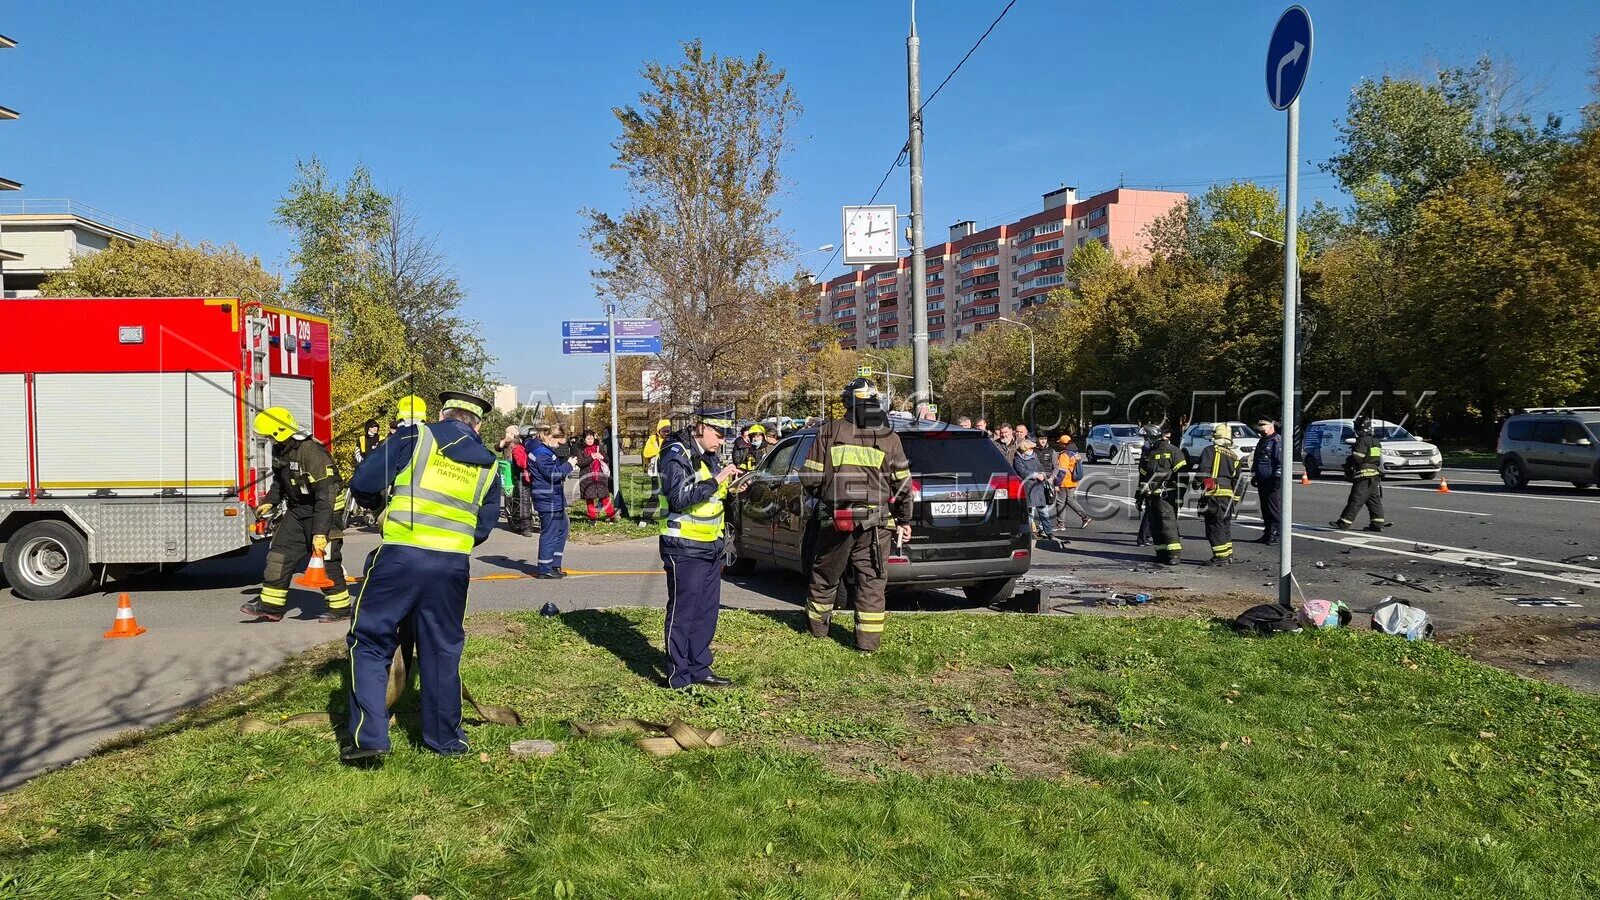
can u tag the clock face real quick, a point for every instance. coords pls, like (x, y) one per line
(869, 234)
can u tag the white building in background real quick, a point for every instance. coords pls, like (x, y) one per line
(505, 398)
(41, 237)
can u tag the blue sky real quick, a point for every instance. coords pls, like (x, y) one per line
(496, 122)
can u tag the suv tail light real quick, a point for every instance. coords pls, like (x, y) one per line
(1006, 487)
(916, 490)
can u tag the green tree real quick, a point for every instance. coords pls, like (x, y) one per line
(159, 269)
(699, 242)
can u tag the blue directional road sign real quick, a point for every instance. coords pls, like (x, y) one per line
(584, 330)
(581, 345)
(638, 328)
(1288, 57)
(637, 345)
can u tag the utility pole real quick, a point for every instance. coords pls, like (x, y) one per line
(923, 390)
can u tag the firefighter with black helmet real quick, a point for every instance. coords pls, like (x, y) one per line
(1159, 465)
(1363, 468)
(858, 472)
(305, 484)
(1219, 481)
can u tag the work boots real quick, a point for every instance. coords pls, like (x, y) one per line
(264, 612)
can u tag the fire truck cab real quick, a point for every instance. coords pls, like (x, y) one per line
(125, 441)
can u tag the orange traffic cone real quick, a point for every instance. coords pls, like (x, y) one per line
(1444, 486)
(1305, 477)
(316, 574)
(125, 625)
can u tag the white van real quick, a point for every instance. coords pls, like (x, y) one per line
(1197, 438)
(1327, 443)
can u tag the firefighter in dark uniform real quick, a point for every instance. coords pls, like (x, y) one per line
(305, 484)
(1219, 481)
(1158, 470)
(445, 501)
(1363, 468)
(692, 543)
(858, 471)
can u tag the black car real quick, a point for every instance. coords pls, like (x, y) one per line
(969, 527)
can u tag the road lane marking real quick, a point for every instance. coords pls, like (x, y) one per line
(1506, 494)
(1453, 555)
(1458, 512)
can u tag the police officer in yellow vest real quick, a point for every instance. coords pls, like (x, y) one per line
(1219, 481)
(693, 493)
(445, 501)
(305, 485)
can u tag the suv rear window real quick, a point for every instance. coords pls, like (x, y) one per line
(965, 454)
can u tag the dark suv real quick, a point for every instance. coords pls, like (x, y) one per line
(969, 526)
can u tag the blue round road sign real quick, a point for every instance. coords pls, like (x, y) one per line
(1288, 57)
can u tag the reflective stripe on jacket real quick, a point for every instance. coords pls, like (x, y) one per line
(852, 466)
(1366, 458)
(436, 500)
(699, 522)
(1219, 466)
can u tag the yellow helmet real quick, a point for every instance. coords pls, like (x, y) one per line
(756, 429)
(276, 422)
(412, 407)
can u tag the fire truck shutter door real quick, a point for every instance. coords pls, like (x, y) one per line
(136, 433)
(13, 435)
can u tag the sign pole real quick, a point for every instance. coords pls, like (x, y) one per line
(1291, 263)
(611, 344)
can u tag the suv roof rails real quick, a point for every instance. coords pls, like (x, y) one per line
(1555, 410)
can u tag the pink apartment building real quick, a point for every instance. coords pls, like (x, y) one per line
(978, 276)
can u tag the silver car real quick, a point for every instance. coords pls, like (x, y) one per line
(1550, 444)
(1104, 442)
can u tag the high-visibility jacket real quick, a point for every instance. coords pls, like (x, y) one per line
(859, 467)
(699, 517)
(1158, 469)
(1366, 458)
(436, 500)
(1067, 469)
(1219, 472)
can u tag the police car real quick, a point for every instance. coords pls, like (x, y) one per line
(969, 527)
(1327, 443)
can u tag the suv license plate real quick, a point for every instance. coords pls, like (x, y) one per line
(954, 508)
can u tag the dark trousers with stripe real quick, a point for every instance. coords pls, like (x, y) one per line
(1271, 507)
(865, 552)
(1162, 511)
(291, 545)
(1366, 492)
(1219, 526)
(694, 596)
(553, 528)
(430, 587)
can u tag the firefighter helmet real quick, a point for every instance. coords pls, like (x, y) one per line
(412, 409)
(1221, 430)
(1363, 425)
(1153, 433)
(861, 390)
(277, 423)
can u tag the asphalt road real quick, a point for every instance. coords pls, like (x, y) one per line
(70, 690)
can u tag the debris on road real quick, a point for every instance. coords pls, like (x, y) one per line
(534, 748)
(1402, 580)
(1542, 602)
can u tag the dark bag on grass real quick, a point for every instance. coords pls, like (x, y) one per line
(1266, 619)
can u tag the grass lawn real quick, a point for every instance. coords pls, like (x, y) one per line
(1470, 459)
(976, 756)
(636, 491)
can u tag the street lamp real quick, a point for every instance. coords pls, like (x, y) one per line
(1033, 387)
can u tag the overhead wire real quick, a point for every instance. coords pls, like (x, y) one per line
(905, 150)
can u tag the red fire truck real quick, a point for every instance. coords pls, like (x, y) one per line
(125, 439)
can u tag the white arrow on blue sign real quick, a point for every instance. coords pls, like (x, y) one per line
(582, 345)
(1288, 57)
(584, 329)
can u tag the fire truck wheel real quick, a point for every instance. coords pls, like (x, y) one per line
(47, 560)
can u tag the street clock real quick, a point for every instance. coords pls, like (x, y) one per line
(869, 235)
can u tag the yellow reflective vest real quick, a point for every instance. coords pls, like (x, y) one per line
(702, 523)
(436, 500)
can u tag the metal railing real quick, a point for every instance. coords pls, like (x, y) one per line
(66, 207)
